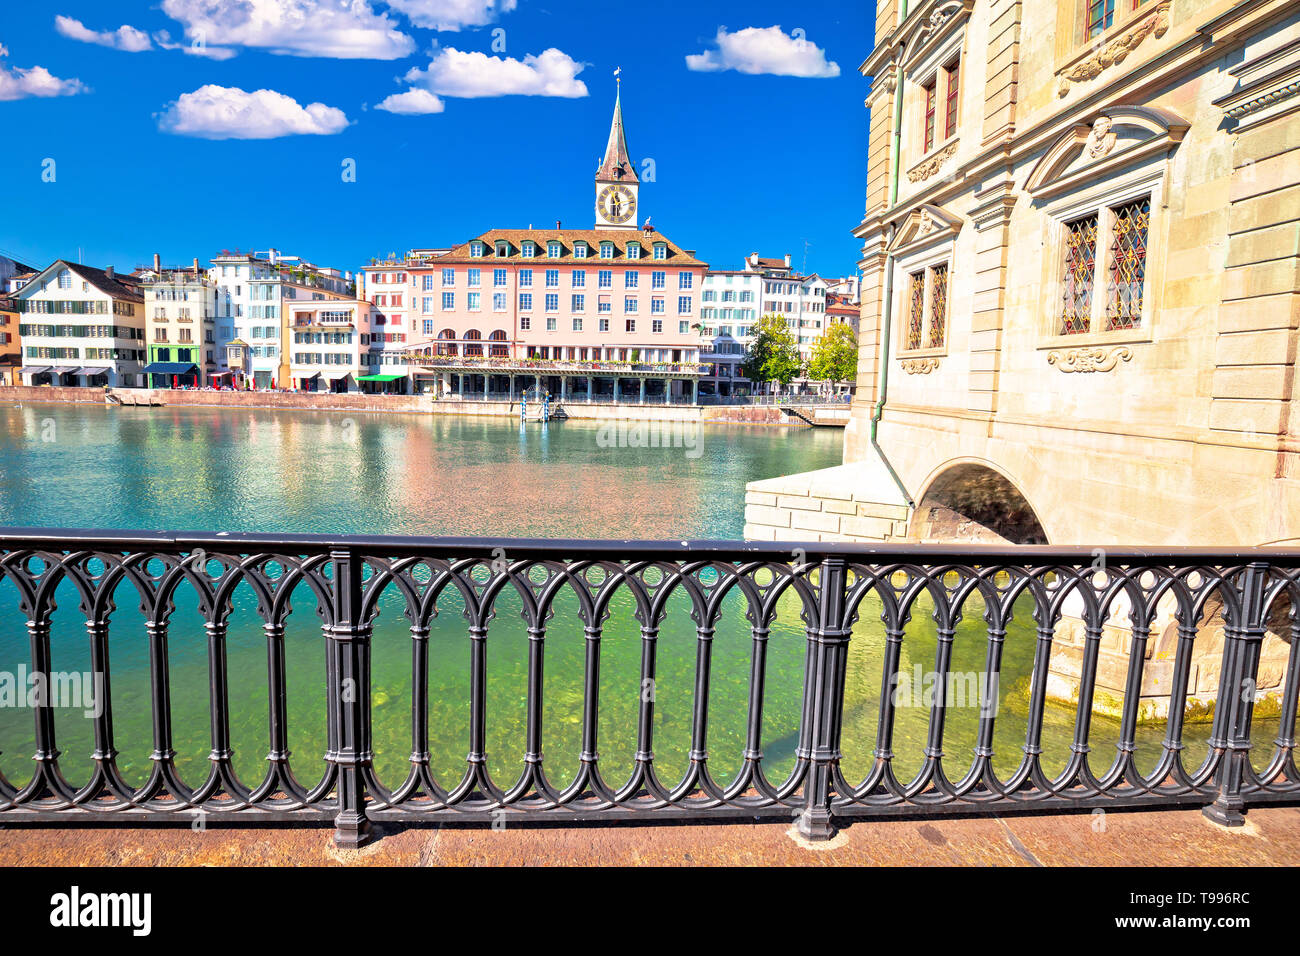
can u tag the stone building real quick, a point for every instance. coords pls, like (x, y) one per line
(1081, 280)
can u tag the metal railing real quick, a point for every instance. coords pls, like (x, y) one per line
(342, 579)
(573, 398)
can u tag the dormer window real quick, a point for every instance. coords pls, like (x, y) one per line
(579, 250)
(607, 250)
(529, 249)
(476, 250)
(661, 250)
(503, 249)
(634, 250)
(552, 250)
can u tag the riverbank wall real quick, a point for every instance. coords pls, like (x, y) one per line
(325, 401)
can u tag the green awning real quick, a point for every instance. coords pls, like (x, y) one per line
(379, 378)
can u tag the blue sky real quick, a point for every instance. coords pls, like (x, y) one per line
(758, 145)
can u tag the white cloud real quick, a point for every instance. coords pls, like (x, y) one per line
(221, 112)
(412, 103)
(343, 29)
(452, 14)
(164, 41)
(765, 50)
(18, 83)
(453, 73)
(125, 37)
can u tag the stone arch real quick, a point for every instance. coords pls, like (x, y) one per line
(972, 501)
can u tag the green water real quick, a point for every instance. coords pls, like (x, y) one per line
(209, 469)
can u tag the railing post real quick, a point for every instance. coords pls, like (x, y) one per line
(349, 674)
(1235, 705)
(827, 662)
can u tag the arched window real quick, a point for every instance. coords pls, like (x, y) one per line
(447, 342)
(473, 346)
(498, 348)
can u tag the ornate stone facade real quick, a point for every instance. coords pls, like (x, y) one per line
(1124, 208)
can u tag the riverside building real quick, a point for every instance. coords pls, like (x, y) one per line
(81, 326)
(1079, 300)
(605, 314)
(255, 293)
(180, 308)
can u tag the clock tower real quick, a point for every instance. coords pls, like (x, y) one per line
(617, 184)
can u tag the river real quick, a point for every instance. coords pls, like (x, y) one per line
(251, 470)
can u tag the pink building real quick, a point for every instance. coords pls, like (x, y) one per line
(603, 314)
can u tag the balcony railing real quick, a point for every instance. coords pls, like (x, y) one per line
(776, 602)
(524, 366)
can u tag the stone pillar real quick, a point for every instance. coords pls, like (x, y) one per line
(642, 399)
(695, 391)
(512, 388)
(615, 389)
(1002, 69)
(564, 388)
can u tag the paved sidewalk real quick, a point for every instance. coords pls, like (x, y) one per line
(1271, 837)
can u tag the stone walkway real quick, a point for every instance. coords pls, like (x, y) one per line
(1271, 837)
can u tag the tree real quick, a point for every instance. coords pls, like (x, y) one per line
(835, 355)
(773, 355)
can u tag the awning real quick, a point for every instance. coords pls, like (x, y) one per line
(64, 370)
(33, 369)
(91, 372)
(308, 378)
(219, 374)
(170, 368)
(379, 378)
(335, 376)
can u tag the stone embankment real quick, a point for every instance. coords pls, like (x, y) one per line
(356, 401)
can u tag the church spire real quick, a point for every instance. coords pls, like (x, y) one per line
(617, 166)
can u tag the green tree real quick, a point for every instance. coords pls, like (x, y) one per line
(835, 355)
(773, 355)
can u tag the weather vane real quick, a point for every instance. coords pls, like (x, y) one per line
(617, 78)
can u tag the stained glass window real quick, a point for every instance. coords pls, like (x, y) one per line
(1080, 267)
(916, 319)
(1128, 263)
(938, 305)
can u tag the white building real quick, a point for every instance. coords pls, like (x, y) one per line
(329, 349)
(734, 300)
(730, 307)
(81, 326)
(254, 291)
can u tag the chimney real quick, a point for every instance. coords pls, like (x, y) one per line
(557, 224)
(157, 263)
(787, 260)
(108, 271)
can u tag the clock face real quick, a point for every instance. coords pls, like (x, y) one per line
(616, 204)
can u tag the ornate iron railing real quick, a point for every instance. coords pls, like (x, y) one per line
(347, 576)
